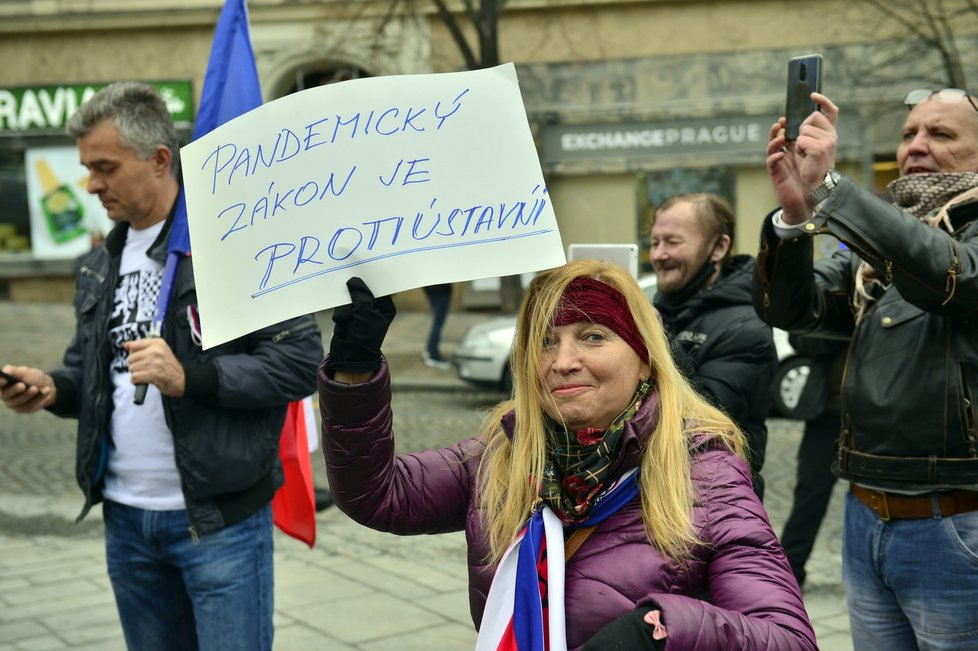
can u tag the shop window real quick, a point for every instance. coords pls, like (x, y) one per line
(45, 209)
(15, 195)
(15, 226)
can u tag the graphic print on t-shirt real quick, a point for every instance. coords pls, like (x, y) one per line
(132, 312)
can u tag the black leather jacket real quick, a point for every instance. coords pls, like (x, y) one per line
(910, 421)
(225, 428)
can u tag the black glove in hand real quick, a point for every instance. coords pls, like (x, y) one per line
(359, 330)
(629, 632)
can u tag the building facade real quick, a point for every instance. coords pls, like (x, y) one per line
(630, 101)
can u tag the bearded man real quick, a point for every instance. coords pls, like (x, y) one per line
(704, 297)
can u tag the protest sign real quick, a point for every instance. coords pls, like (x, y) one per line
(404, 181)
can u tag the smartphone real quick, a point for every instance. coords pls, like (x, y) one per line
(804, 78)
(11, 379)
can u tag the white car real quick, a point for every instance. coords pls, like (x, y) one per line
(789, 381)
(482, 359)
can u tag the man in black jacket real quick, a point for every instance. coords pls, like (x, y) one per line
(705, 302)
(905, 291)
(186, 478)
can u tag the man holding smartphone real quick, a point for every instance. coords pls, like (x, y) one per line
(187, 477)
(906, 292)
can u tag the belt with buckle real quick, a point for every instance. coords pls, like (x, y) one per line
(894, 506)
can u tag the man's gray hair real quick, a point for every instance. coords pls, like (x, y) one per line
(138, 112)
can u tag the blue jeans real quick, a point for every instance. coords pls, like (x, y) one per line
(174, 594)
(910, 584)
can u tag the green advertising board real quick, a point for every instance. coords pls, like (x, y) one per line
(47, 108)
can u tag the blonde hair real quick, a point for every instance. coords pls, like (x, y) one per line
(507, 493)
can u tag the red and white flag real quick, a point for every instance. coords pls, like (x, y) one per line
(294, 505)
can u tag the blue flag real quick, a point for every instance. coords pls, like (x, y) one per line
(230, 89)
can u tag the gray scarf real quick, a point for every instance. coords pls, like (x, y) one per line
(922, 194)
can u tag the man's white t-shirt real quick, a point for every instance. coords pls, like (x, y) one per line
(141, 471)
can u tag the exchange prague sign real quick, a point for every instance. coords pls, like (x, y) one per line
(743, 135)
(404, 181)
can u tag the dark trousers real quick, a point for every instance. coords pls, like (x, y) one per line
(813, 490)
(439, 310)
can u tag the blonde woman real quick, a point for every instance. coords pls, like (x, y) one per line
(606, 505)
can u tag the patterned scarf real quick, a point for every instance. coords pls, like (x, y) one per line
(579, 463)
(922, 194)
(927, 197)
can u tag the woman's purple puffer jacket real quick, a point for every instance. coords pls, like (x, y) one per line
(738, 593)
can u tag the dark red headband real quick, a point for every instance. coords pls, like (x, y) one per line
(587, 299)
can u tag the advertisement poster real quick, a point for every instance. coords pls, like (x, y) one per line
(65, 220)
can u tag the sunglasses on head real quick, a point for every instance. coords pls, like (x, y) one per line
(946, 95)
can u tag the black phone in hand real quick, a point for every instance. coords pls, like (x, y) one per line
(804, 78)
(11, 380)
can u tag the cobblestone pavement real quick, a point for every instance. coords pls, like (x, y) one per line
(356, 589)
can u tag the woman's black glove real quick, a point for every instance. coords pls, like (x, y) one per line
(359, 330)
(630, 632)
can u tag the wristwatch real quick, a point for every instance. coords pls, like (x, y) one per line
(822, 192)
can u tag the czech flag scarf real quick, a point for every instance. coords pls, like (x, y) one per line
(525, 608)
